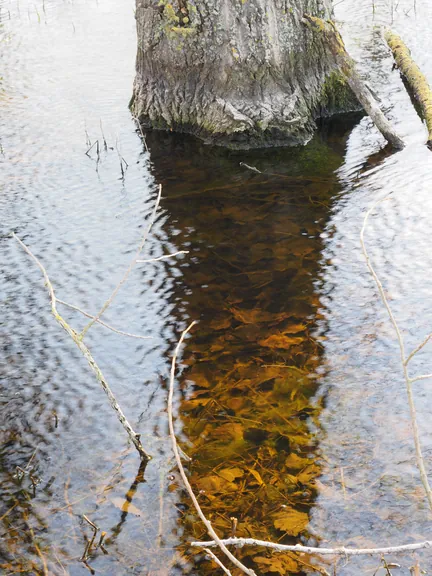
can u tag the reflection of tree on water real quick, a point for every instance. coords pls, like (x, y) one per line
(254, 242)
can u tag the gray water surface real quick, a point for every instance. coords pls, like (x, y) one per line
(66, 73)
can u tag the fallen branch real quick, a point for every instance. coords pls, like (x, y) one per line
(347, 67)
(414, 76)
(135, 438)
(404, 360)
(338, 551)
(207, 523)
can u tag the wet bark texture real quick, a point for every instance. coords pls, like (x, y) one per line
(241, 73)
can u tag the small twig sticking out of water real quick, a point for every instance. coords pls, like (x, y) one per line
(91, 146)
(73, 26)
(207, 523)
(141, 132)
(103, 136)
(134, 437)
(404, 360)
(89, 544)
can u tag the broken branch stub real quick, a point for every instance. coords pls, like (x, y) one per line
(415, 78)
(346, 66)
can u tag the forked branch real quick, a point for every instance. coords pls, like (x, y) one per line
(135, 438)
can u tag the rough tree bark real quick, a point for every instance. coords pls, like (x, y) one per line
(242, 73)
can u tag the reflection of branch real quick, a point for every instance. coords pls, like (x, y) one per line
(84, 313)
(339, 551)
(128, 271)
(404, 360)
(135, 438)
(176, 451)
(139, 478)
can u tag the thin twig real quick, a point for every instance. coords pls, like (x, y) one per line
(104, 324)
(142, 133)
(338, 551)
(418, 348)
(218, 562)
(165, 257)
(128, 271)
(422, 377)
(135, 438)
(176, 451)
(408, 380)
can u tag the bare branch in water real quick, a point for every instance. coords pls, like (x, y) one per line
(218, 562)
(186, 483)
(404, 360)
(135, 438)
(338, 551)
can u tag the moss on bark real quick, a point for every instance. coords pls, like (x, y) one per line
(236, 73)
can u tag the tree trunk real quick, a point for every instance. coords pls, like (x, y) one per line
(241, 73)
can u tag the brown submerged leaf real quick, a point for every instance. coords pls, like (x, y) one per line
(280, 563)
(290, 521)
(231, 474)
(280, 341)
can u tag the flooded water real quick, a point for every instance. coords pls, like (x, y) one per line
(290, 396)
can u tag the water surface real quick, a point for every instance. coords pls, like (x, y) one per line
(289, 398)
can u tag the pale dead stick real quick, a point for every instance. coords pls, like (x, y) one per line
(404, 360)
(186, 483)
(135, 438)
(339, 551)
(218, 562)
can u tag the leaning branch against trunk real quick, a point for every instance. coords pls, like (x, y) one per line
(347, 67)
(135, 438)
(414, 76)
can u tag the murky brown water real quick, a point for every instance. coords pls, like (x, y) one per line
(290, 397)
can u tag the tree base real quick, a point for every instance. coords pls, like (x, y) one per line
(244, 133)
